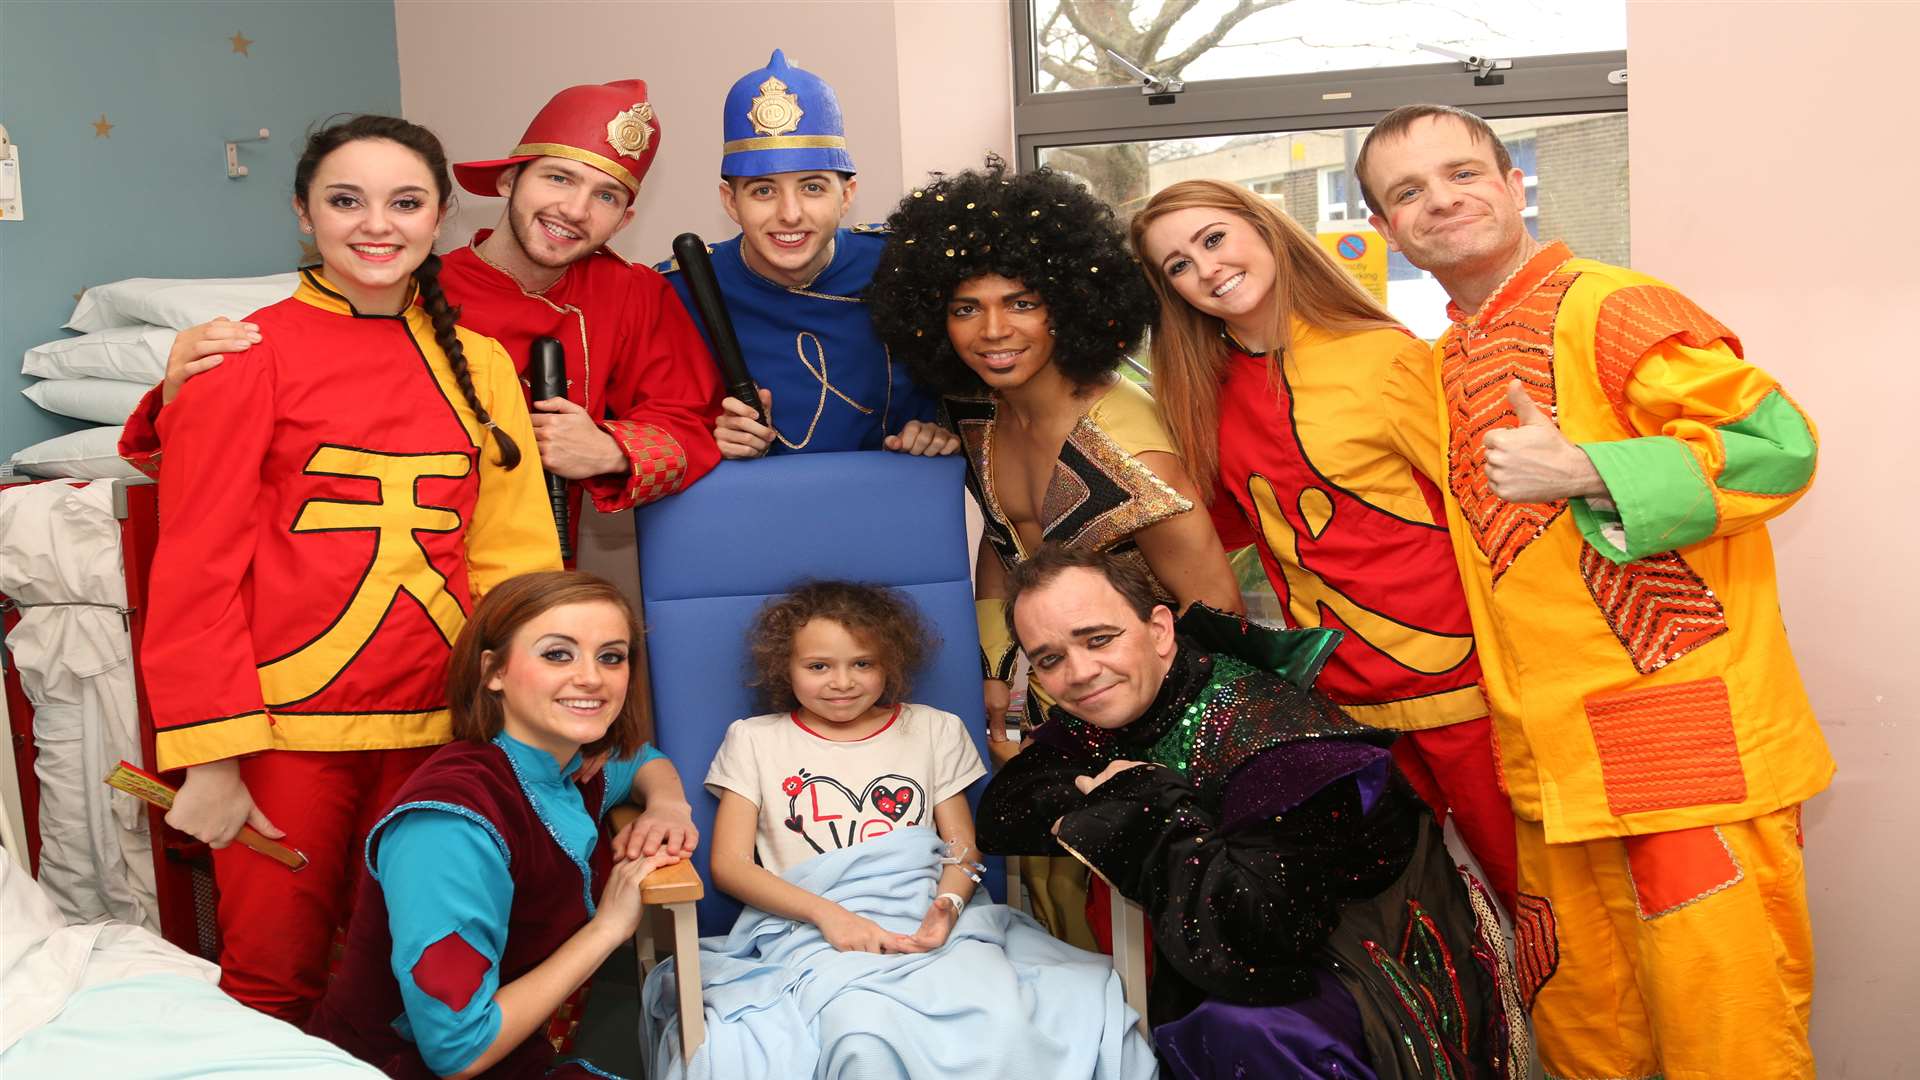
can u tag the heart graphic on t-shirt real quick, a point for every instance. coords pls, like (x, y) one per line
(828, 815)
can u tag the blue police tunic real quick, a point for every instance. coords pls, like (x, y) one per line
(834, 385)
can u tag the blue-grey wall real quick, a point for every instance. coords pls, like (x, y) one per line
(152, 198)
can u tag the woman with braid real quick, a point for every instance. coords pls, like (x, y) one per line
(331, 511)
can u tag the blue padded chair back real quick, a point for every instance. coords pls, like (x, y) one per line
(713, 554)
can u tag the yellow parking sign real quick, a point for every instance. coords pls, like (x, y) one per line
(1364, 254)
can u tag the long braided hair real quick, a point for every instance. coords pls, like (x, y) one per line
(337, 133)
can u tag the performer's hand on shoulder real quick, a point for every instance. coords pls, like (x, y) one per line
(214, 804)
(739, 433)
(923, 440)
(202, 348)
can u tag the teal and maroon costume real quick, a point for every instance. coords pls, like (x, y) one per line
(529, 818)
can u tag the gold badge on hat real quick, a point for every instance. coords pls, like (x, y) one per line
(630, 132)
(775, 111)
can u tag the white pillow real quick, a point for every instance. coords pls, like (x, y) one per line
(176, 302)
(103, 401)
(128, 353)
(87, 455)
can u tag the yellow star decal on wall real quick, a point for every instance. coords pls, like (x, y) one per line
(101, 128)
(240, 41)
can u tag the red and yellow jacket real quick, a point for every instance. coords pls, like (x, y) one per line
(329, 514)
(635, 363)
(1632, 648)
(1319, 467)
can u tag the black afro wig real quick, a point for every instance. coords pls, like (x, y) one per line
(1042, 229)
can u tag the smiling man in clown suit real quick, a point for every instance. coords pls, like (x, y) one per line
(795, 281)
(636, 422)
(1611, 460)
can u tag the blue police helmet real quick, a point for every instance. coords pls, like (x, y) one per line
(782, 119)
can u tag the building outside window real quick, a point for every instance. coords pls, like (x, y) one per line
(1279, 95)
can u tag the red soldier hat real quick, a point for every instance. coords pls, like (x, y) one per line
(611, 127)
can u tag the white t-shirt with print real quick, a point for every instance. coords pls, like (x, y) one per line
(816, 795)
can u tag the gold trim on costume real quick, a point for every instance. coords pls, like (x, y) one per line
(785, 142)
(585, 157)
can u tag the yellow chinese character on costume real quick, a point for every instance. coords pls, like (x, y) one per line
(399, 565)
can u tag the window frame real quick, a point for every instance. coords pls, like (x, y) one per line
(1553, 85)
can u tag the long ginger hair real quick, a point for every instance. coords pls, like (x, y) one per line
(1190, 348)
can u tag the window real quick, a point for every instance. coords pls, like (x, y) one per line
(1280, 98)
(1068, 40)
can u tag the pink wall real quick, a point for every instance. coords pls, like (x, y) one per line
(922, 86)
(1772, 151)
(476, 73)
(956, 84)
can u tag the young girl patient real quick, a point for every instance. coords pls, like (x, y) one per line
(862, 950)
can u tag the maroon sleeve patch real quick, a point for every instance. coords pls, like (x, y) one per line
(450, 970)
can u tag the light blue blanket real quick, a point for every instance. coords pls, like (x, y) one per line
(1001, 999)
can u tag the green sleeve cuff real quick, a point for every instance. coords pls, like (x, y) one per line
(1770, 451)
(1658, 498)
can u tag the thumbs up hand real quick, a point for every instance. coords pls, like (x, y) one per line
(1533, 462)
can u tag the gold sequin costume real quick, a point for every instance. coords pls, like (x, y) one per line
(1099, 495)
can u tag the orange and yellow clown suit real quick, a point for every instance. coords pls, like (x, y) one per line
(1653, 731)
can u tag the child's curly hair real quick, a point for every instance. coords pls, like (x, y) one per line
(1042, 229)
(883, 620)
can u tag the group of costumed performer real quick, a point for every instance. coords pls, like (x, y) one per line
(641, 391)
(634, 426)
(795, 280)
(1609, 462)
(1015, 297)
(1306, 918)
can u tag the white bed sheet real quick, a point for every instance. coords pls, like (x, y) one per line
(108, 999)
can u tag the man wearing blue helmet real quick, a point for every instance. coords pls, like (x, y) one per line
(795, 281)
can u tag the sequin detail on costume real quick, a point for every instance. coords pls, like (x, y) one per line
(1215, 713)
(1098, 495)
(1657, 606)
(1417, 1002)
(1536, 942)
(1508, 1029)
(1477, 363)
(1424, 954)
